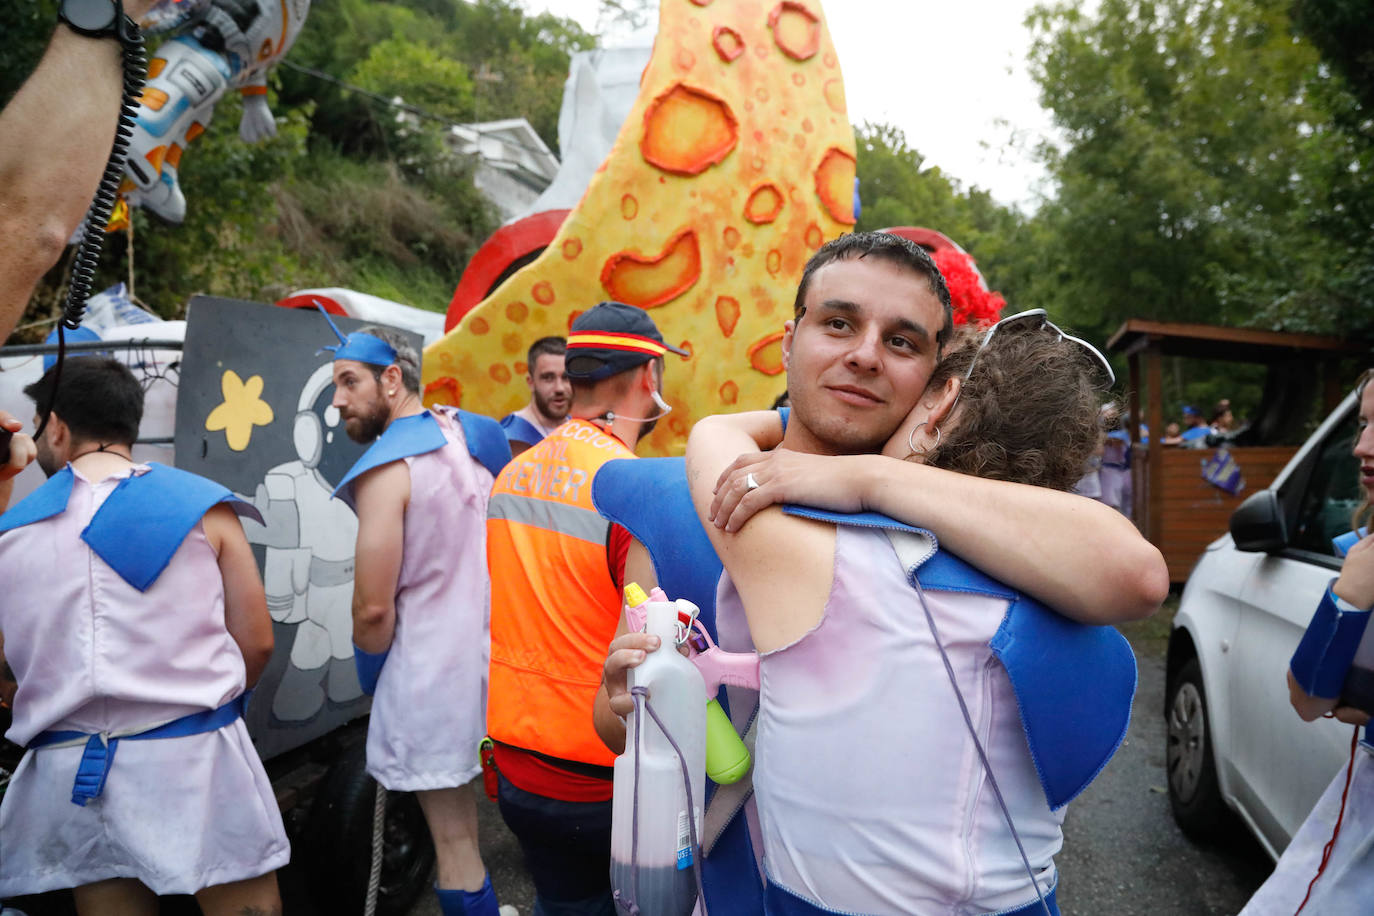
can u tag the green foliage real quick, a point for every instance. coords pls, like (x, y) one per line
(1195, 172)
(898, 189)
(26, 25)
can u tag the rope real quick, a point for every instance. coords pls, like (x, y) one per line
(374, 875)
(1340, 816)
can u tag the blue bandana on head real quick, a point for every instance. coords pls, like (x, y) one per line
(365, 348)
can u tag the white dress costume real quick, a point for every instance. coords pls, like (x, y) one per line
(430, 708)
(93, 654)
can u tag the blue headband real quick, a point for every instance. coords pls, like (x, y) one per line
(365, 348)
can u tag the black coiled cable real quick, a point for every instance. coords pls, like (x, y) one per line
(135, 59)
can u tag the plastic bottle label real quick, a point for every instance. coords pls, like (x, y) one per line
(684, 841)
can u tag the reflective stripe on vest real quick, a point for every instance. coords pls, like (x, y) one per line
(554, 606)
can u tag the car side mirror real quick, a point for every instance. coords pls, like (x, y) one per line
(1258, 526)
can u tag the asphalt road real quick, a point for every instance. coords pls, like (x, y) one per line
(1123, 854)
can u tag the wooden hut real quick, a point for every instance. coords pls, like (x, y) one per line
(1179, 511)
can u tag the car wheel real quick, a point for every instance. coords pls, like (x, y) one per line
(339, 838)
(1194, 794)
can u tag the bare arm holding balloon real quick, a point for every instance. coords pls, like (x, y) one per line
(55, 135)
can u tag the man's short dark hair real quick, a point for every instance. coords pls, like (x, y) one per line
(98, 398)
(884, 246)
(407, 360)
(545, 346)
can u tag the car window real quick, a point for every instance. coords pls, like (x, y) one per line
(1332, 494)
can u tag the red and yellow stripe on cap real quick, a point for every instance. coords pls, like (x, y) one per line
(602, 340)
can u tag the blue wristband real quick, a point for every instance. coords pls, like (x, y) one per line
(1327, 648)
(369, 665)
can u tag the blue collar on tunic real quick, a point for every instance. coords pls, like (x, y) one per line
(420, 434)
(518, 429)
(141, 524)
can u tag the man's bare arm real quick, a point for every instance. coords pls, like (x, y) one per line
(245, 602)
(55, 136)
(21, 450)
(782, 566)
(1078, 556)
(381, 495)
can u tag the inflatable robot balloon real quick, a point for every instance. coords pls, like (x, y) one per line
(217, 45)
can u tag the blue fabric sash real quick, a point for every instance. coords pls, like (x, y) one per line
(420, 434)
(99, 755)
(1073, 683)
(779, 901)
(141, 524)
(518, 429)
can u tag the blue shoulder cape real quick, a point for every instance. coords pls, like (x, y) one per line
(420, 434)
(141, 524)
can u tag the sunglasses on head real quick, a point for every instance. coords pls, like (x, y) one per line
(1037, 318)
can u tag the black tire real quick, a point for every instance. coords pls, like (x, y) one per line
(338, 843)
(1194, 795)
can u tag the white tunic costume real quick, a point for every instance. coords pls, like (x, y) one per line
(93, 654)
(430, 709)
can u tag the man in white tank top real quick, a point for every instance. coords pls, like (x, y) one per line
(421, 595)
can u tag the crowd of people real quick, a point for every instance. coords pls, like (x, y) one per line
(899, 545)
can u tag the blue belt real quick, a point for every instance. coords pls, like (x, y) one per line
(779, 901)
(98, 757)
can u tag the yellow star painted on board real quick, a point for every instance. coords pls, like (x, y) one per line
(241, 411)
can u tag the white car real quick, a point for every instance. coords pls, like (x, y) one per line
(1233, 739)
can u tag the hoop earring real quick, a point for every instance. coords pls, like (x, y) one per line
(911, 440)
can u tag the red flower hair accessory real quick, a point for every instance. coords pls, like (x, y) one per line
(972, 301)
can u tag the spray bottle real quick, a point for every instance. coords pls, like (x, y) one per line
(660, 779)
(727, 757)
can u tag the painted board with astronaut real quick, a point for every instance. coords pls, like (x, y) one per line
(254, 414)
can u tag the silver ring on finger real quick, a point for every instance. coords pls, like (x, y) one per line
(749, 482)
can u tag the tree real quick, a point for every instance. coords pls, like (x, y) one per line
(1195, 165)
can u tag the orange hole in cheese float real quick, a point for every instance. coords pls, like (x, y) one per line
(443, 390)
(835, 185)
(686, 131)
(727, 314)
(796, 30)
(729, 393)
(764, 205)
(729, 46)
(765, 354)
(646, 282)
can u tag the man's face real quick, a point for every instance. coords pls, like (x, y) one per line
(549, 386)
(861, 355)
(358, 397)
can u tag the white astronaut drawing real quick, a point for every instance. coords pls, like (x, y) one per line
(308, 568)
(221, 45)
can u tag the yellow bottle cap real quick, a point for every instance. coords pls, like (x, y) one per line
(634, 595)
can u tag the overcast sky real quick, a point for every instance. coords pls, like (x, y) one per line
(952, 75)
